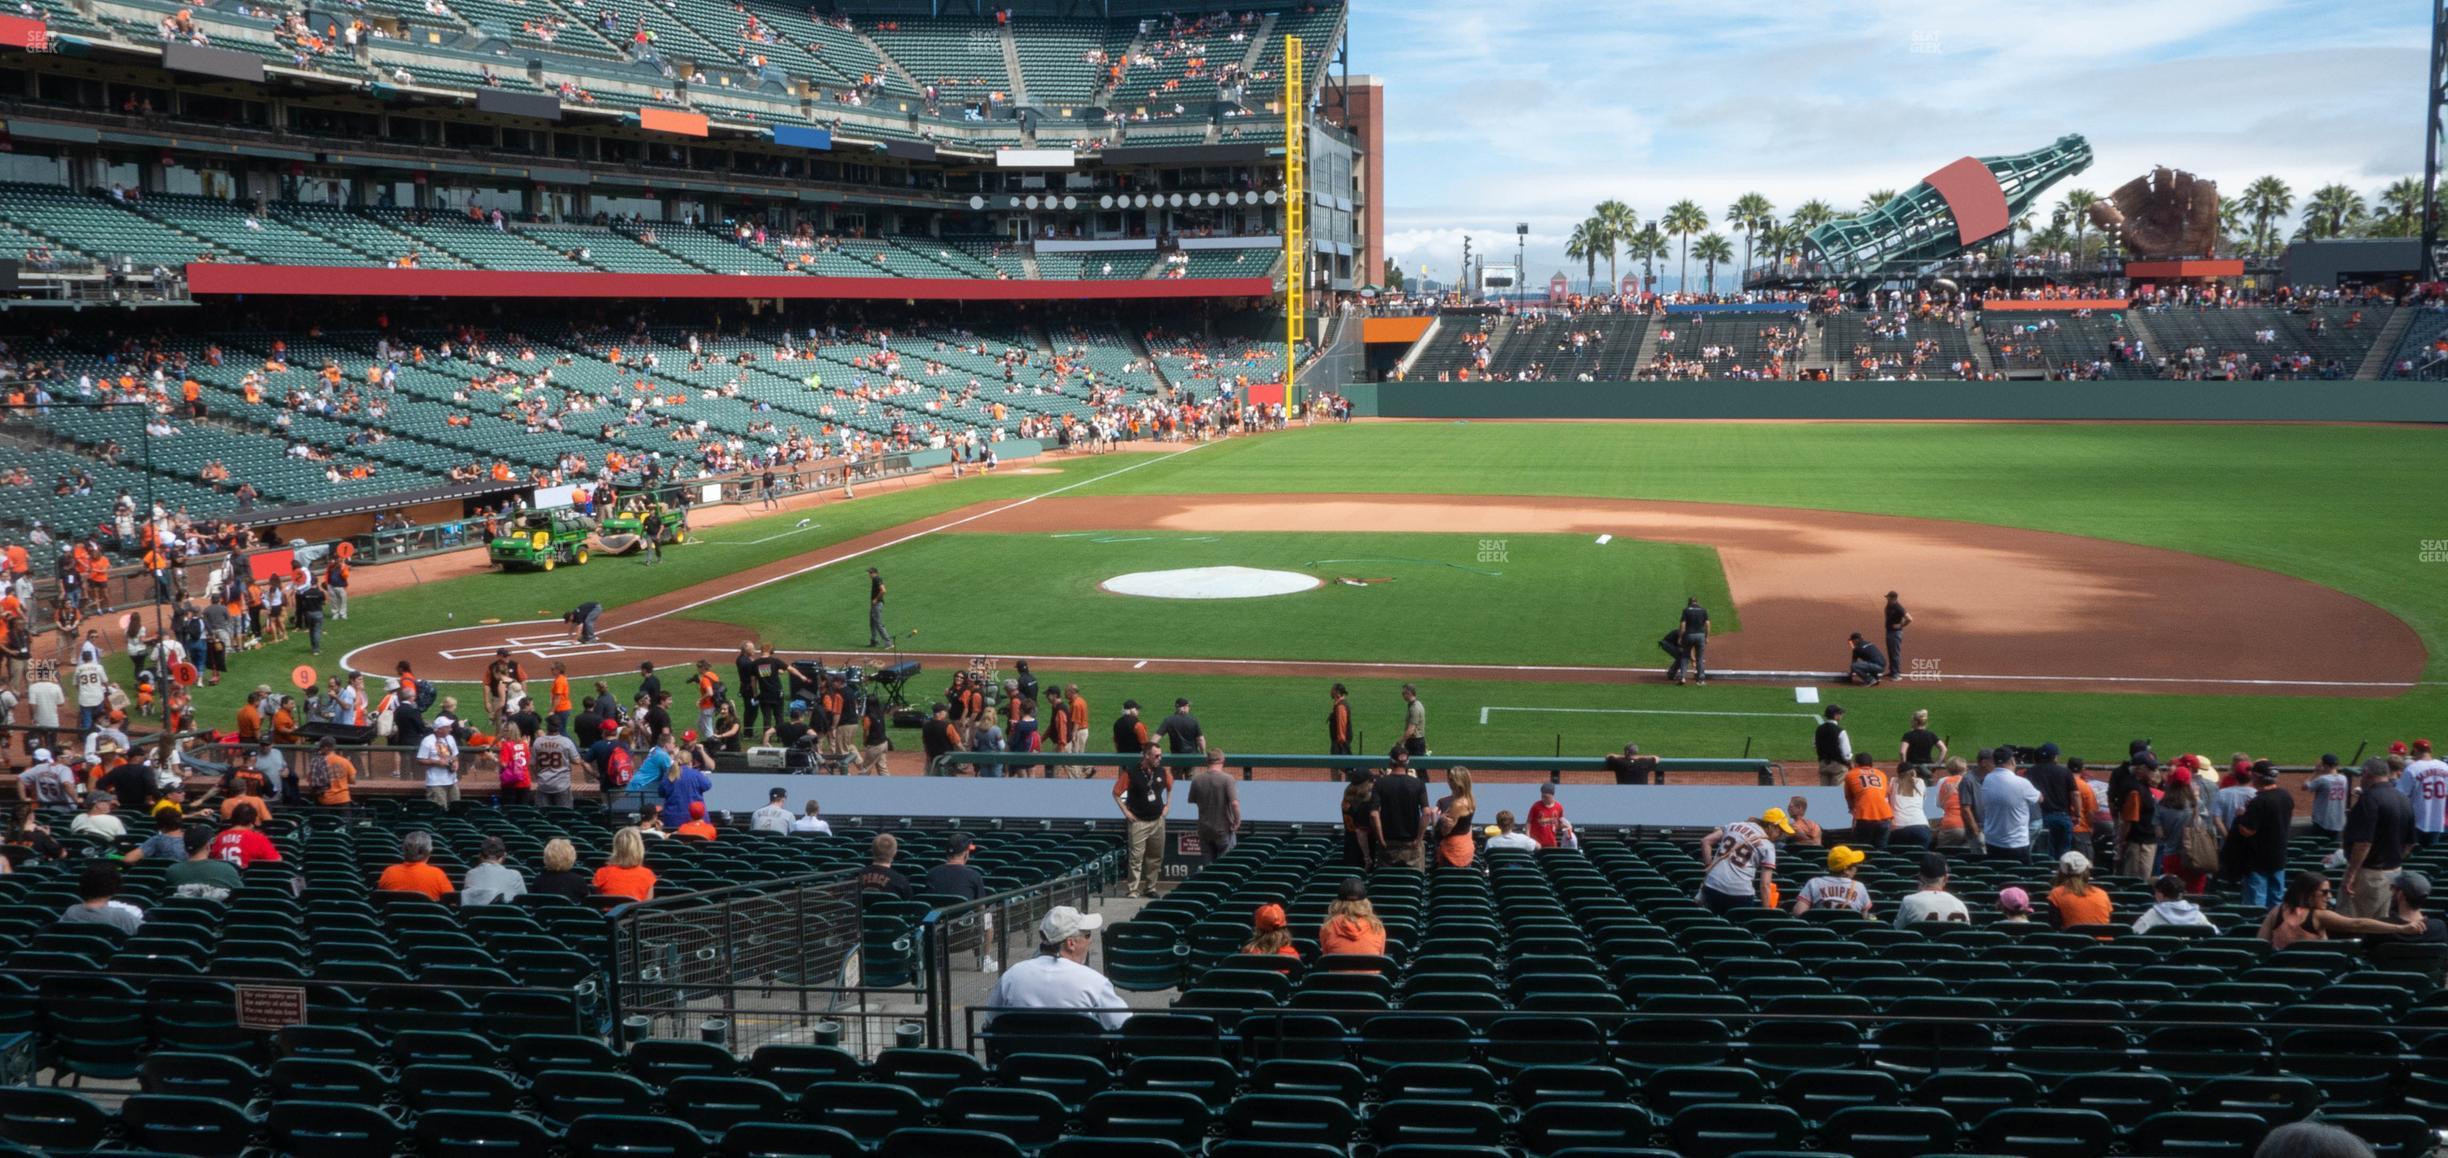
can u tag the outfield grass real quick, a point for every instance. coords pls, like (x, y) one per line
(2348, 507)
(1539, 599)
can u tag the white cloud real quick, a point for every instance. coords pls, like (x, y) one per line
(1534, 112)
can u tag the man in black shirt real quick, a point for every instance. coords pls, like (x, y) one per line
(938, 736)
(745, 666)
(956, 877)
(134, 784)
(1695, 628)
(1633, 768)
(793, 728)
(1144, 793)
(1400, 799)
(1181, 730)
(2261, 832)
(1833, 748)
(1897, 620)
(1867, 664)
(876, 635)
(2412, 892)
(769, 669)
(1027, 680)
(2378, 829)
(658, 717)
(2056, 784)
(524, 718)
(649, 684)
(1129, 735)
(310, 613)
(880, 876)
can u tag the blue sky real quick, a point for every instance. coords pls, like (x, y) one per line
(1533, 111)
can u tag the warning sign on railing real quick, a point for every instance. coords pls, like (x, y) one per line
(271, 1008)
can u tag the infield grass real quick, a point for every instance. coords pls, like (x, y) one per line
(1525, 599)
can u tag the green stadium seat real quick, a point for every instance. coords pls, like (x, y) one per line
(2044, 1133)
(1889, 1131)
(928, 1142)
(788, 1140)
(311, 1129)
(52, 1120)
(1723, 1129)
(2195, 1133)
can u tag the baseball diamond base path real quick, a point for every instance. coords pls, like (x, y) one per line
(2002, 607)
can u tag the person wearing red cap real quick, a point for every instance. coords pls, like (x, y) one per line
(697, 825)
(1271, 933)
(2425, 784)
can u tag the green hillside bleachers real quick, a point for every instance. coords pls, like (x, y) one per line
(269, 239)
(94, 225)
(1054, 58)
(961, 56)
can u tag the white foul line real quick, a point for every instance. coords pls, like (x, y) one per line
(703, 541)
(1483, 712)
(919, 534)
(349, 661)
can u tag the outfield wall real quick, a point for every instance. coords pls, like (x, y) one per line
(2025, 400)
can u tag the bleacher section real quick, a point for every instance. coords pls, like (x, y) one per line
(1601, 346)
(446, 413)
(1928, 348)
(2063, 345)
(174, 230)
(1569, 1001)
(1054, 58)
(1728, 345)
(1915, 347)
(2237, 341)
(961, 56)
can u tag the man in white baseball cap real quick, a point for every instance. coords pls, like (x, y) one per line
(1058, 977)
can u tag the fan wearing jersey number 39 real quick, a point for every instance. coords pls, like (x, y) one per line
(2426, 784)
(1742, 861)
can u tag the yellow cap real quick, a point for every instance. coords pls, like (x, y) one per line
(1775, 818)
(1843, 857)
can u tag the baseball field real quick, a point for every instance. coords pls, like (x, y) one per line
(2276, 589)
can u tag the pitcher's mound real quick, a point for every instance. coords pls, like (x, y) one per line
(1210, 583)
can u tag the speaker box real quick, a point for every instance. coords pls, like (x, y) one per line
(908, 717)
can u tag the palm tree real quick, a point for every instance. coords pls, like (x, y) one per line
(2266, 200)
(1683, 219)
(2077, 209)
(2331, 210)
(1649, 246)
(1714, 248)
(1812, 214)
(1877, 198)
(2231, 225)
(2401, 206)
(1750, 213)
(1583, 246)
(1616, 222)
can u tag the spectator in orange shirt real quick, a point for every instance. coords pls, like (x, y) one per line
(626, 874)
(697, 825)
(707, 681)
(2076, 899)
(415, 873)
(1351, 923)
(1270, 933)
(1867, 796)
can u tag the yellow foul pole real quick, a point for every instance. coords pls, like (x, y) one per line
(1296, 220)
